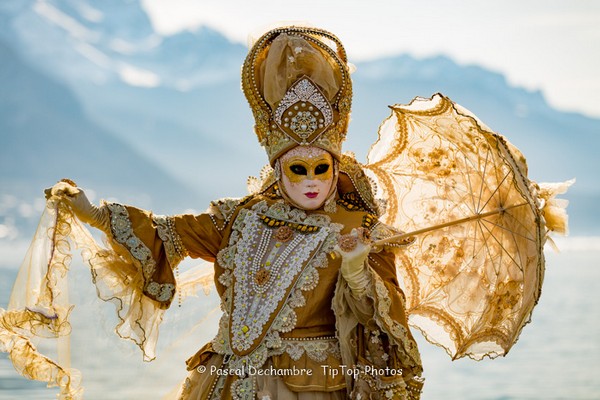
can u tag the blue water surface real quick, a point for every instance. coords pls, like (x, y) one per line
(556, 357)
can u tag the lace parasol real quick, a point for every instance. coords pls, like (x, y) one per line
(474, 273)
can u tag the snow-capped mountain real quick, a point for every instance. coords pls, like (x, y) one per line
(104, 41)
(177, 99)
(45, 136)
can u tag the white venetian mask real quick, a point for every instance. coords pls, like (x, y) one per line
(307, 176)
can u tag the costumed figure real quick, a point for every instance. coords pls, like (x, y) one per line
(288, 301)
(305, 267)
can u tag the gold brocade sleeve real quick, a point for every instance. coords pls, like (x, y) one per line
(390, 317)
(134, 272)
(157, 244)
(380, 345)
(199, 235)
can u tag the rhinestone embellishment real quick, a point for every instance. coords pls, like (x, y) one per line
(304, 109)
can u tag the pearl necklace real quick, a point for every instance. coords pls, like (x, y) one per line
(259, 273)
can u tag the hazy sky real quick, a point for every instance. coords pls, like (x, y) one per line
(552, 45)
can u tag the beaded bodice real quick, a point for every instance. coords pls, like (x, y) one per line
(273, 256)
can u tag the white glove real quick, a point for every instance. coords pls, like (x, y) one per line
(98, 217)
(353, 266)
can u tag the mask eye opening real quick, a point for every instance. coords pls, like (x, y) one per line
(321, 169)
(298, 169)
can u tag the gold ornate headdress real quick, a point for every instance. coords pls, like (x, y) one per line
(297, 82)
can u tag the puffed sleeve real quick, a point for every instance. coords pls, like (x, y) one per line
(136, 269)
(156, 244)
(375, 337)
(133, 269)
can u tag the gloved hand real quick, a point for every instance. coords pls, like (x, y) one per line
(354, 250)
(98, 217)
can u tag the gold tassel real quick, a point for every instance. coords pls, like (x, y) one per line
(553, 209)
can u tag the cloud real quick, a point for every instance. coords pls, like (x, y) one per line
(138, 77)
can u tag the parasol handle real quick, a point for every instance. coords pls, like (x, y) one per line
(445, 225)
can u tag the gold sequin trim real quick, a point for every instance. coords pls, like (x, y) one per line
(122, 232)
(275, 223)
(221, 211)
(352, 202)
(397, 330)
(174, 248)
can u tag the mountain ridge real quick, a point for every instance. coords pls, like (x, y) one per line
(46, 136)
(194, 113)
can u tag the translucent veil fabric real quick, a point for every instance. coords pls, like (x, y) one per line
(39, 305)
(474, 273)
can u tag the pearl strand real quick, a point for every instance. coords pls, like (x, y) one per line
(276, 265)
(308, 339)
(260, 252)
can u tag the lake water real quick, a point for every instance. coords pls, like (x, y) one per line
(556, 357)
